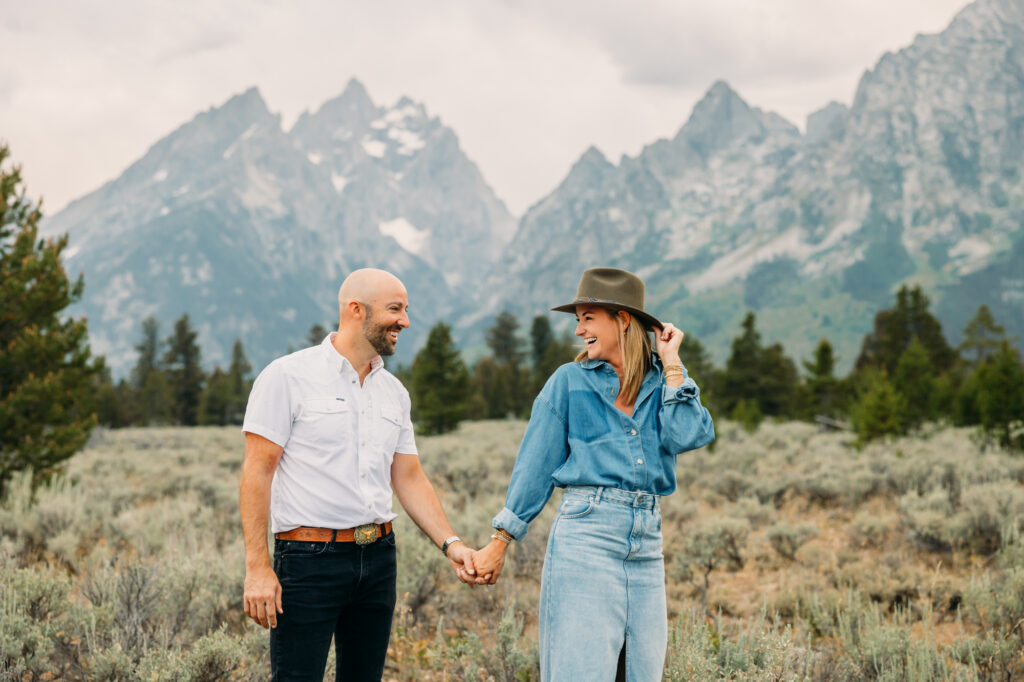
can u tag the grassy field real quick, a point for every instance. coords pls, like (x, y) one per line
(790, 555)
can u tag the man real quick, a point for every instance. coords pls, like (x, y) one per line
(327, 437)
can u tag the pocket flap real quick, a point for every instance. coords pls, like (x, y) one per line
(326, 405)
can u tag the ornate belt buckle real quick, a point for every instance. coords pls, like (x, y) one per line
(366, 534)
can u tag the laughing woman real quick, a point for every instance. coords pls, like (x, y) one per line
(607, 428)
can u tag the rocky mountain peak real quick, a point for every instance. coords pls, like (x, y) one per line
(720, 119)
(826, 124)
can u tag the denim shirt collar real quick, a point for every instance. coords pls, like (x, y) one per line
(651, 380)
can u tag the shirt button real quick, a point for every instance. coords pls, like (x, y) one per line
(639, 461)
(632, 432)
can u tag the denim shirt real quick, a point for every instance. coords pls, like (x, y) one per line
(576, 436)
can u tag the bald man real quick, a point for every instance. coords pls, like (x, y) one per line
(327, 438)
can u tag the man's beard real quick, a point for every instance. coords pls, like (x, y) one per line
(377, 335)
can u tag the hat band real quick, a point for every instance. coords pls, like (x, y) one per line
(582, 300)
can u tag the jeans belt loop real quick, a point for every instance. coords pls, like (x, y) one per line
(597, 497)
(334, 536)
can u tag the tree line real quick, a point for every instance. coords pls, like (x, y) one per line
(53, 391)
(906, 374)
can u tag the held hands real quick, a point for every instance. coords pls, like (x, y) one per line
(262, 596)
(489, 562)
(461, 557)
(667, 342)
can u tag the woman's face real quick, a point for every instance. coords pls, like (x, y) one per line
(599, 329)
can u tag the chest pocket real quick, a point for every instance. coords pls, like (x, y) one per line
(388, 427)
(325, 420)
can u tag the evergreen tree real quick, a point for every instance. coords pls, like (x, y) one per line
(490, 399)
(982, 337)
(541, 338)
(440, 383)
(915, 381)
(239, 373)
(1000, 396)
(152, 400)
(880, 409)
(46, 369)
(316, 334)
(506, 346)
(763, 375)
(218, 405)
(824, 390)
(184, 372)
(895, 329)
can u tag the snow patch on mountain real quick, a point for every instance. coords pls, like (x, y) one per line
(403, 232)
(339, 182)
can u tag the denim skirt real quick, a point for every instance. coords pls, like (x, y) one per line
(603, 585)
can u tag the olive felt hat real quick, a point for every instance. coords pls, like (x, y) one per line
(612, 288)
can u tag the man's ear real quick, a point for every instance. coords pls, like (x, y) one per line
(355, 310)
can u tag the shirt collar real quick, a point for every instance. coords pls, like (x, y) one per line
(339, 362)
(594, 364)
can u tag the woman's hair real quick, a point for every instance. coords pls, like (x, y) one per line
(635, 343)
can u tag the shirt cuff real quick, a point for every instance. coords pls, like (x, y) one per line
(515, 526)
(685, 392)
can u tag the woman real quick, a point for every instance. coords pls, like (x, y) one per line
(607, 428)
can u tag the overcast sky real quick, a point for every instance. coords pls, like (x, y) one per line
(86, 87)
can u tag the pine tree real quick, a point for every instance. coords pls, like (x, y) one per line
(218, 403)
(894, 330)
(982, 337)
(440, 383)
(506, 346)
(541, 338)
(823, 388)
(46, 368)
(915, 381)
(239, 373)
(880, 410)
(763, 375)
(316, 334)
(1000, 396)
(184, 372)
(152, 402)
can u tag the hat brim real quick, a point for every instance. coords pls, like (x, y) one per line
(650, 321)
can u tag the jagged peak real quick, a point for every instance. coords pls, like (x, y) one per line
(249, 102)
(593, 156)
(720, 117)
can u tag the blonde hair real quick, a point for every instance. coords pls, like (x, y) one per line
(635, 343)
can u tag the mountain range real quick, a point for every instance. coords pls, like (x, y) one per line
(250, 228)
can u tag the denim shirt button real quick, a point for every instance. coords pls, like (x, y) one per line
(632, 432)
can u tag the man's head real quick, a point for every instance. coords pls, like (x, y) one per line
(373, 305)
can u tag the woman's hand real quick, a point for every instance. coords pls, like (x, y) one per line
(489, 561)
(667, 344)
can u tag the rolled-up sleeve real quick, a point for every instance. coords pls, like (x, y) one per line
(685, 423)
(544, 448)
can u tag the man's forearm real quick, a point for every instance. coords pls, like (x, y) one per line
(254, 503)
(420, 501)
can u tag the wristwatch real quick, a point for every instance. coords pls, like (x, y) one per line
(448, 543)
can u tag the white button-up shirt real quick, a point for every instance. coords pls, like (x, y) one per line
(339, 438)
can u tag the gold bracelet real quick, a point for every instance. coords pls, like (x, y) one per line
(668, 368)
(673, 374)
(503, 535)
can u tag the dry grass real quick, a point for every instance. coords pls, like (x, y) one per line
(899, 561)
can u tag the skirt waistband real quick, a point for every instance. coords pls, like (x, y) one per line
(626, 498)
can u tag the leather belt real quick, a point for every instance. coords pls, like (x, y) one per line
(361, 535)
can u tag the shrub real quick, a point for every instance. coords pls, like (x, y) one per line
(786, 539)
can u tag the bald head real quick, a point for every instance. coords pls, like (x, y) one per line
(367, 286)
(373, 307)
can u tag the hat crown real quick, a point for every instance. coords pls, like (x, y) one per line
(611, 286)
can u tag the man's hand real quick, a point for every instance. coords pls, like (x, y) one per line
(461, 558)
(489, 562)
(262, 596)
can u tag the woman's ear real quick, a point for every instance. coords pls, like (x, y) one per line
(624, 319)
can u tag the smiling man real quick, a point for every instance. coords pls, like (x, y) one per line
(327, 437)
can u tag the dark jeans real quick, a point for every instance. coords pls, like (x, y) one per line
(338, 589)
